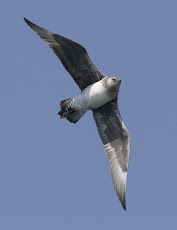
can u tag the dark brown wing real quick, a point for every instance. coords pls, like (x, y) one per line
(116, 140)
(73, 56)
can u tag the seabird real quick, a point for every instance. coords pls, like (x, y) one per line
(99, 94)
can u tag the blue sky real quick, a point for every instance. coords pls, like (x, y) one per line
(55, 175)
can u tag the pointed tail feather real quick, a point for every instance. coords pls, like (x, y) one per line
(68, 112)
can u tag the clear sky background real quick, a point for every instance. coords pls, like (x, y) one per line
(55, 175)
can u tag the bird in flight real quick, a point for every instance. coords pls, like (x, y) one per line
(99, 94)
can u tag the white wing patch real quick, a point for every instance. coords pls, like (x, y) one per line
(116, 140)
(119, 176)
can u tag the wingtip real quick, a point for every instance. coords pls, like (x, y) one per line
(124, 207)
(122, 199)
(32, 25)
(26, 20)
(123, 203)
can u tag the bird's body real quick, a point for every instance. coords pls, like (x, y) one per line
(92, 97)
(95, 95)
(99, 94)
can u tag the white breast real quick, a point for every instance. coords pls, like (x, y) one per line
(91, 97)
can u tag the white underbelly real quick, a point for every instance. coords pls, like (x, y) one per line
(91, 98)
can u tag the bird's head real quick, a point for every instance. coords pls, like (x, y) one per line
(112, 86)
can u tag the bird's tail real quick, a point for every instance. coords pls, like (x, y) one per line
(71, 114)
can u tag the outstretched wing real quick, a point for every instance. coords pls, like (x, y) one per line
(116, 140)
(73, 56)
